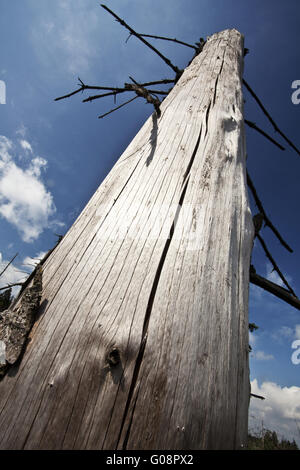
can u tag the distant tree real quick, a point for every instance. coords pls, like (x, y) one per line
(268, 440)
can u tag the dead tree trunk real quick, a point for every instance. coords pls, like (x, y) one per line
(141, 341)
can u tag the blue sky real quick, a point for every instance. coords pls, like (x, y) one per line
(53, 155)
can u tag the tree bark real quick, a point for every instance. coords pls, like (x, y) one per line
(141, 341)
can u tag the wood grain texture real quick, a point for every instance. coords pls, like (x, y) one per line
(142, 341)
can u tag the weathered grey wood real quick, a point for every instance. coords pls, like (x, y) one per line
(143, 339)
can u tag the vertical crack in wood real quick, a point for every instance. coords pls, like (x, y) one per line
(217, 80)
(188, 169)
(206, 118)
(140, 355)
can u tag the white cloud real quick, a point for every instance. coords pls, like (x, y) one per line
(285, 333)
(32, 262)
(262, 356)
(24, 199)
(26, 145)
(280, 411)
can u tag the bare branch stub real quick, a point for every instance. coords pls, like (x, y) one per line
(257, 396)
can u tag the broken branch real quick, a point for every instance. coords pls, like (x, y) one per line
(270, 257)
(88, 87)
(266, 218)
(276, 128)
(9, 263)
(95, 97)
(274, 289)
(118, 107)
(257, 396)
(134, 33)
(144, 93)
(167, 39)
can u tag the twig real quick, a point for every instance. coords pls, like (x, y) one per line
(166, 39)
(274, 289)
(134, 33)
(9, 263)
(111, 90)
(122, 90)
(158, 82)
(95, 97)
(88, 87)
(268, 254)
(266, 218)
(276, 128)
(69, 94)
(254, 126)
(118, 107)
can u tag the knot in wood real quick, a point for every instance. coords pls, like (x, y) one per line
(113, 357)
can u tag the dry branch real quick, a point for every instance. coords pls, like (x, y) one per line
(266, 218)
(257, 396)
(166, 39)
(274, 289)
(158, 82)
(122, 90)
(134, 33)
(9, 263)
(254, 126)
(87, 87)
(144, 93)
(118, 107)
(276, 128)
(96, 97)
(270, 257)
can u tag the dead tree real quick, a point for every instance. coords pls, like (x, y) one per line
(141, 337)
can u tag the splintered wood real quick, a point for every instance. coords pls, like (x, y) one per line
(143, 342)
